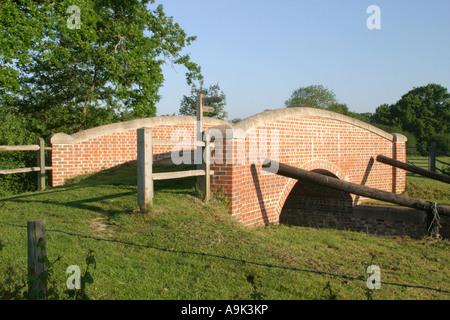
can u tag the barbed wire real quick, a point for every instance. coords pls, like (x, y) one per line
(233, 259)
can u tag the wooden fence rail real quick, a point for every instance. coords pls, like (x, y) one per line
(40, 169)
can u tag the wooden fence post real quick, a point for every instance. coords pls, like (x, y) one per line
(432, 153)
(199, 130)
(36, 255)
(144, 168)
(41, 164)
(205, 181)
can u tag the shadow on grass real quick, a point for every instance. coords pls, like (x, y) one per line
(126, 175)
(115, 183)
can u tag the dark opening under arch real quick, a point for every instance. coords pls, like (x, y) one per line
(312, 205)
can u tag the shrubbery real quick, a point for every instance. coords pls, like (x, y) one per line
(14, 132)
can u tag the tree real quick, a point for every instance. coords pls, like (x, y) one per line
(69, 79)
(425, 111)
(314, 96)
(189, 103)
(342, 108)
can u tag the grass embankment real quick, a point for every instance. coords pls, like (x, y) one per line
(104, 205)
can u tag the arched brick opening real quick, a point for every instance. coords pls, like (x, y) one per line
(312, 205)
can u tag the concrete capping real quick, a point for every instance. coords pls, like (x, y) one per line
(271, 116)
(225, 130)
(60, 138)
(129, 125)
(399, 138)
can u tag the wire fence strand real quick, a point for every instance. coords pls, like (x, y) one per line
(267, 265)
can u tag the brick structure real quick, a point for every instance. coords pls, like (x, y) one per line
(312, 139)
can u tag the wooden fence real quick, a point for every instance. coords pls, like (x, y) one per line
(146, 176)
(427, 157)
(145, 143)
(40, 169)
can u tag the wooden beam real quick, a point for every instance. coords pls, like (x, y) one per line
(204, 181)
(212, 100)
(207, 109)
(41, 164)
(414, 169)
(20, 148)
(144, 168)
(179, 174)
(23, 170)
(199, 130)
(177, 143)
(334, 183)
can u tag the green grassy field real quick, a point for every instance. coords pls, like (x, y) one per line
(104, 206)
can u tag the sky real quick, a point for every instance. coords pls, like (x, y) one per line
(260, 51)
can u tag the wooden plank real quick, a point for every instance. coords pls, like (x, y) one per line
(177, 143)
(178, 174)
(144, 168)
(20, 148)
(414, 169)
(36, 254)
(23, 170)
(212, 100)
(208, 109)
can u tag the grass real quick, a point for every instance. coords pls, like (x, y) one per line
(104, 205)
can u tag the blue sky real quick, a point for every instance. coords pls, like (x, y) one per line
(260, 51)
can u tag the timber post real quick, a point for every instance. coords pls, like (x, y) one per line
(144, 168)
(36, 258)
(41, 164)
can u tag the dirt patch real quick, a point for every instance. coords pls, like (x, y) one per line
(100, 227)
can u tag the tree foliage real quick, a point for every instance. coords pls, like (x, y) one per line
(189, 103)
(314, 96)
(318, 96)
(425, 111)
(342, 108)
(69, 79)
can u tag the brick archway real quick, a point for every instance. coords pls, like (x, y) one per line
(322, 166)
(312, 205)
